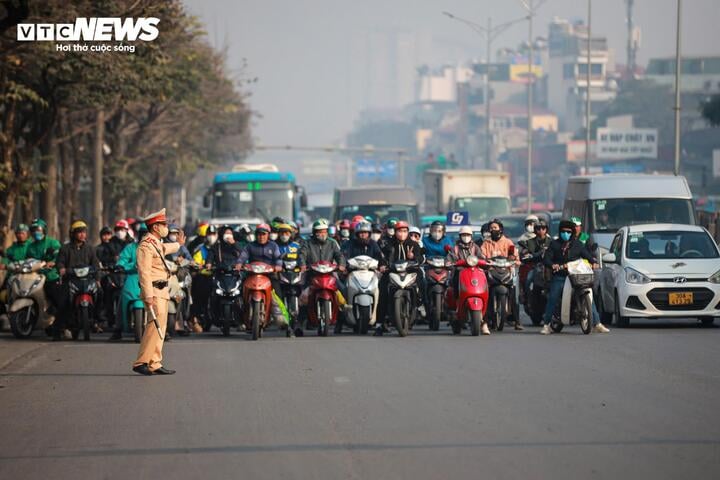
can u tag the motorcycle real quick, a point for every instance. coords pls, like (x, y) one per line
(225, 299)
(403, 292)
(112, 285)
(322, 299)
(535, 296)
(292, 279)
(363, 293)
(472, 298)
(577, 298)
(437, 278)
(83, 289)
(257, 297)
(501, 278)
(179, 305)
(27, 303)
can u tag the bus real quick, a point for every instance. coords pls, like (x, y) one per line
(252, 194)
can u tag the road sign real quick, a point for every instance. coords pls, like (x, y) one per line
(458, 218)
(626, 144)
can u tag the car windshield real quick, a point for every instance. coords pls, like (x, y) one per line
(670, 245)
(610, 215)
(236, 201)
(380, 213)
(514, 227)
(482, 209)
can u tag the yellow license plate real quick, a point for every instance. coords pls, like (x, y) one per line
(680, 298)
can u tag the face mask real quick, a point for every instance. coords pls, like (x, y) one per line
(250, 237)
(227, 237)
(345, 233)
(436, 235)
(163, 231)
(321, 237)
(38, 236)
(495, 235)
(285, 237)
(529, 228)
(391, 232)
(466, 238)
(172, 238)
(273, 236)
(121, 234)
(565, 236)
(376, 236)
(211, 239)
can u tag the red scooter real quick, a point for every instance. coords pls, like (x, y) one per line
(257, 297)
(471, 304)
(322, 299)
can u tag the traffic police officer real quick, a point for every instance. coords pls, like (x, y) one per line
(154, 274)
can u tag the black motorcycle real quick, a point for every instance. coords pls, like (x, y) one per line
(226, 299)
(403, 295)
(291, 283)
(501, 302)
(83, 289)
(536, 294)
(112, 284)
(437, 277)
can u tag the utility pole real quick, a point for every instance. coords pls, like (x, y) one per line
(489, 34)
(677, 89)
(97, 220)
(587, 91)
(631, 45)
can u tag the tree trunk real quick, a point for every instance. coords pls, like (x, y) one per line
(97, 216)
(67, 177)
(50, 167)
(7, 193)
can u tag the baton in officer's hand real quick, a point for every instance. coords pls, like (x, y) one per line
(155, 321)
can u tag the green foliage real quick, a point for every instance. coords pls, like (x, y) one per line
(711, 111)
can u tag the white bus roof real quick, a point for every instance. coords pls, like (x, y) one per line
(628, 186)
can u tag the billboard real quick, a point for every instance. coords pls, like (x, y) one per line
(627, 143)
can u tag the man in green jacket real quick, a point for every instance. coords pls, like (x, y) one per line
(17, 252)
(47, 248)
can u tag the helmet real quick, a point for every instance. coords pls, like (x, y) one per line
(293, 226)
(142, 229)
(344, 223)
(540, 224)
(576, 220)
(391, 222)
(437, 223)
(38, 223)
(173, 228)
(401, 224)
(566, 225)
(354, 225)
(202, 229)
(263, 227)
(278, 220)
(78, 225)
(244, 228)
(376, 228)
(122, 224)
(415, 230)
(320, 224)
(532, 218)
(369, 218)
(498, 221)
(331, 230)
(22, 228)
(465, 230)
(105, 230)
(358, 219)
(284, 227)
(363, 227)
(210, 229)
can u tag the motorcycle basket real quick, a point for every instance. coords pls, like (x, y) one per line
(580, 280)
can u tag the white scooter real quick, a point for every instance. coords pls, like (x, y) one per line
(577, 298)
(28, 304)
(179, 291)
(363, 293)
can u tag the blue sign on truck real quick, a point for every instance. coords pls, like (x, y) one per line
(458, 218)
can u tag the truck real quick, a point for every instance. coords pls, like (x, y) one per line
(484, 194)
(252, 194)
(378, 202)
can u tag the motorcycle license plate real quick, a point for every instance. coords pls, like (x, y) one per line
(680, 298)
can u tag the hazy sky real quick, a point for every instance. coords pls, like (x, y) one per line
(311, 56)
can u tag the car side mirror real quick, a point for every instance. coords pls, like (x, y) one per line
(609, 258)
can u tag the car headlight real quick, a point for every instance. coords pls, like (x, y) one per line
(633, 276)
(715, 278)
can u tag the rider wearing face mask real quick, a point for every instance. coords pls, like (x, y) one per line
(498, 245)
(343, 233)
(529, 232)
(202, 282)
(376, 232)
(289, 248)
(183, 252)
(436, 242)
(566, 248)
(362, 244)
(389, 233)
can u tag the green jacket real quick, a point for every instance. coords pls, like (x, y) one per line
(16, 252)
(39, 250)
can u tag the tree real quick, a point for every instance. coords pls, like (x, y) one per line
(711, 110)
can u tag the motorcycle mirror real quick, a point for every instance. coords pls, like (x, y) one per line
(447, 248)
(511, 250)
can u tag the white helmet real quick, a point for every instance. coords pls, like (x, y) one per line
(465, 230)
(532, 218)
(415, 230)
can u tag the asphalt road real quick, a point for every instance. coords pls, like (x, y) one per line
(638, 403)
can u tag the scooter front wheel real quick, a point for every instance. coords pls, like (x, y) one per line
(363, 319)
(436, 314)
(226, 316)
(324, 315)
(585, 312)
(500, 313)
(256, 309)
(402, 320)
(86, 323)
(475, 321)
(138, 320)
(23, 322)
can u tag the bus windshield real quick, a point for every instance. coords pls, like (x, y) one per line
(236, 200)
(611, 214)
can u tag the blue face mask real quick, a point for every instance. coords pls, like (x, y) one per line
(565, 236)
(38, 236)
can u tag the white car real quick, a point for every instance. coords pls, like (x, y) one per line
(660, 271)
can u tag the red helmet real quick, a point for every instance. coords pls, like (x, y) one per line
(401, 224)
(345, 223)
(122, 224)
(358, 219)
(263, 227)
(354, 225)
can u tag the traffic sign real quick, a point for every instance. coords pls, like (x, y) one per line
(458, 218)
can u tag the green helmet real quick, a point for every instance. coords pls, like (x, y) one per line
(22, 228)
(38, 223)
(391, 222)
(320, 224)
(576, 220)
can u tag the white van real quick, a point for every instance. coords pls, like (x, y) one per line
(606, 203)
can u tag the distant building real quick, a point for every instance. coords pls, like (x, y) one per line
(567, 77)
(699, 74)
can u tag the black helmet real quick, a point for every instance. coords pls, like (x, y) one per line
(499, 222)
(211, 229)
(105, 231)
(566, 225)
(540, 224)
(376, 228)
(437, 223)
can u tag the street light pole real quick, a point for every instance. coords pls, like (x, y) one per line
(677, 90)
(489, 33)
(587, 91)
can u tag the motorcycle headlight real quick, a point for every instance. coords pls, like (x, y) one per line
(471, 261)
(235, 291)
(219, 291)
(295, 280)
(715, 278)
(635, 277)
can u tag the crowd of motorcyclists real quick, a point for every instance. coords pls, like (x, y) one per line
(312, 282)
